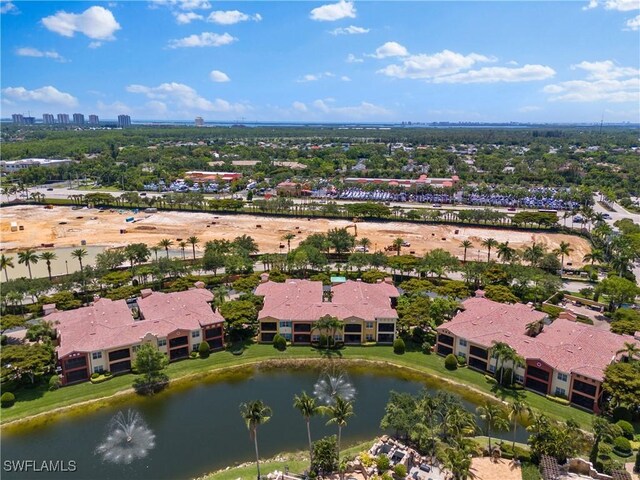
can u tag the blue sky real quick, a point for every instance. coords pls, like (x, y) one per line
(571, 61)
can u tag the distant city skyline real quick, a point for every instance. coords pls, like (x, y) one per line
(176, 60)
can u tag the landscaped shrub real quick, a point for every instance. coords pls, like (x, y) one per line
(398, 346)
(386, 476)
(462, 361)
(107, 373)
(382, 463)
(560, 400)
(627, 429)
(622, 413)
(490, 379)
(636, 466)
(7, 399)
(400, 471)
(204, 350)
(450, 362)
(3, 340)
(279, 342)
(622, 447)
(54, 383)
(426, 348)
(193, 355)
(95, 375)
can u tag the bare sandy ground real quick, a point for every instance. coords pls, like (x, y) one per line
(65, 227)
(485, 469)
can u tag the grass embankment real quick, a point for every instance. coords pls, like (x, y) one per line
(423, 367)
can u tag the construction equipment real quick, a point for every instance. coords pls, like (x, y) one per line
(355, 229)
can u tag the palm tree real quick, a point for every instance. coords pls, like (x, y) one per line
(182, 246)
(288, 237)
(490, 413)
(193, 241)
(502, 352)
(340, 412)
(489, 243)
(630, 350)
(596, 255)
(47, 257)
(28, 257)
(534, 253)
(562, 250)
(397, 245)
(80, 253)
(466, 244)
(516, 410)
(505, 252)
(255, 413)
(165, 243)
(330, 325)
(307, 407)
(365, 243)
(155, 249)
(6, 262)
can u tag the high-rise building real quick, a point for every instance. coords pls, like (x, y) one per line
(47, 119)
(199, 122)
(78, 119)
(93, 119)
(29, 120)
(63, 118)
(17, 118)
(124, 121)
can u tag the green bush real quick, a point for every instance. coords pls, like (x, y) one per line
(382, 463)
(95, 375)
(560, 400)
(426, 348)
(107, 373)
(193, 355)
(54, 383)
(462, 361)
(627, 429)
(450, 362)
(3, 340)
(204, 350)
(636, 465)
(490, 379)
(398, 346)
(622, 446)
(7, 399)
(279, 342)
(622, 413)
(386, 476)
(400, 471)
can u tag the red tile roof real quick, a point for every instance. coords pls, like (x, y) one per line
(109, 324)
(565, 345)
(302, 300)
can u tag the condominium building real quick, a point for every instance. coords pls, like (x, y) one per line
(562, 358)
(17, 119)
(292, 309)
(106, 335)
(124, 121)
(199, 122)
(94, 120)
(78, 118)
(63, 118)
(48, 119)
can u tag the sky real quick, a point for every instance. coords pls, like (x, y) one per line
(308, 61)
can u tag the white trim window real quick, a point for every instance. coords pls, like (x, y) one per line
(562, 376)
(162, 342)
(96, 355)
(462, 342)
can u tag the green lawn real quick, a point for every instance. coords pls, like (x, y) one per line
(428, 368)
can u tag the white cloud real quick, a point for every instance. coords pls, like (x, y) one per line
(529, 108)
(314, 77)
(390, 49)
(363, 110)
(592, 4)
(622, 5)
(299, 106)
(185, 18)
(424, 66)
(34, 52)
(219, 77)
(345, 78)
(604, 81)
(231, 17)
(633, 23)
(95, 44)
(156, 107)
(46, 94)
(351, 58)
(334, 11)
(183, 4)
(115, 108)
(8, 7)
(350, 30)
(184, 97)
(526, 73)
(95, 22)
(205, 39)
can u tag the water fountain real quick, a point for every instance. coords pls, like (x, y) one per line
(332, 384)
(128, 439)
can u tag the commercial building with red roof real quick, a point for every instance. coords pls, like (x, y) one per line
(105, 335)
(407, 182)
(203, 176)
(561, 358)
(292, 308)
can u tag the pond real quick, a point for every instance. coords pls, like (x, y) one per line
(199, 429)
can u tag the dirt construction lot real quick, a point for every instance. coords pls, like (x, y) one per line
(65, 227)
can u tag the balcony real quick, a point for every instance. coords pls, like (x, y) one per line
(385, 338)
(581, 401)
(478, 352)
(120, 367)
(444, 350)
(119, 354)
(353, 328)
(386, 327)
(538, 373)
(477, 364)
(178, 342)
(77, 362)
(269, 326)
(585, 388)
(446, 339)
(213, 332)
(302, 327)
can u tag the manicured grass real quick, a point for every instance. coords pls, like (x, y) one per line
(39, 400)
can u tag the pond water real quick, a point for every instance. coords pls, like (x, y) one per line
(200, 430)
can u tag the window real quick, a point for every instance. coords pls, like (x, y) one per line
(195, 333)
(369, 337)
(492, 368)
(162, 342)
(99, 369)
(562, 376)
(96, 355)
(368, 325)
(315, 338)
(462, 342)
(196, 346)
(338, 338)
(285, 324)
(519, 378)
(462, 354)
(560, 392)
